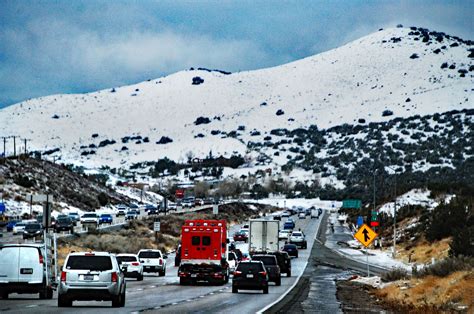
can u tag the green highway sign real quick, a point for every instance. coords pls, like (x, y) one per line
(353, 204)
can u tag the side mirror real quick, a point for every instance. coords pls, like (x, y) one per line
(165, 257)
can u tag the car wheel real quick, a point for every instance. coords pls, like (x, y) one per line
(117, 300)
(278, 281)
(183, 281)
(265, 290)
(4, 295)
(63, 302)
(49, 294)
(162, 273)
(140, 277)
(296, 256)
(288, 274)
(122, 304)
(235, 290)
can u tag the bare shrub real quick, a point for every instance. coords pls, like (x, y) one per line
(447, 266)
(395, 274)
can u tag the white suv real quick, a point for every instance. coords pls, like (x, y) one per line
(298, 238)
(91, 276)
(90, 218)
(130, 265)
(153, 261)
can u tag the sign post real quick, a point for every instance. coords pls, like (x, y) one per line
(366, 236)
(156, 228)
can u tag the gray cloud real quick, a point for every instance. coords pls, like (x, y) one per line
(51, 47)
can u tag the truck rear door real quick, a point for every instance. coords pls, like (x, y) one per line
(31, 265)
(9, 264)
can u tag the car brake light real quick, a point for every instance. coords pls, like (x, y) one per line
(89, 254)
(161, 262)
(263, 273)
(114, 277)
(136, 264)
(41, 259)
(63, 276)
(237, 273)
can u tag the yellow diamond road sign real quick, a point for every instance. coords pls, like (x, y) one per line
(365, 235)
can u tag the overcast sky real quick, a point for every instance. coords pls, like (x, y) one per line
(49, 47)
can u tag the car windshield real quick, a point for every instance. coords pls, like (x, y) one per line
(64, 219)
(128, 258)
(149, 254)
(90, 215)
(267, 260)
(105, 215)
(296, 234)
(249, 266)
(290, 246)
(33, 227)
(97, 263)
(20, 224)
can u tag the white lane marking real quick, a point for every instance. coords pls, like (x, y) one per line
(32, 305)
(201, 296)
(294, 284)
(174, 303)
(284, 294)
(141, 289)
(189, 300)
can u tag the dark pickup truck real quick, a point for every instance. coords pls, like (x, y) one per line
(64, 224)
(271, 265)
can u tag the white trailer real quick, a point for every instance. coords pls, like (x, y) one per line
(263, 235)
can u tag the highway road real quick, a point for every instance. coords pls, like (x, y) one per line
(164, 294)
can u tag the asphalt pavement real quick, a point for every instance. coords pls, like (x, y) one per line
(164, 294)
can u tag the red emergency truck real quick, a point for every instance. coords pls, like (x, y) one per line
(203, 252)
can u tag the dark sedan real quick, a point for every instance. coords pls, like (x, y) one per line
(241, 236)
(33, 230)
(291, 249)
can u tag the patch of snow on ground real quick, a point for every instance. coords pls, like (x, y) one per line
(414, 197)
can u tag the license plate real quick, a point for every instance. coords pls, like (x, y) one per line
(88, 277)
(249, 275)
(194, 275)
(26, 271)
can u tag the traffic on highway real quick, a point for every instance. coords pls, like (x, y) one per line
(214, 271)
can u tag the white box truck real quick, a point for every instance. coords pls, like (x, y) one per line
(263, 235)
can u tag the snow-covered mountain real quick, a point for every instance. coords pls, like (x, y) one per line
(397, 72)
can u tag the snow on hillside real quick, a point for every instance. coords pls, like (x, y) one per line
(416, 198)
(393, 69)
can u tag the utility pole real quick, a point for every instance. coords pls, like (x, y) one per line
(26, 140)
(395, 219)
(4, 147)
(394, 252)
(14, 146)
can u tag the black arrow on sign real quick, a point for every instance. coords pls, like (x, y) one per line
(366, 235)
